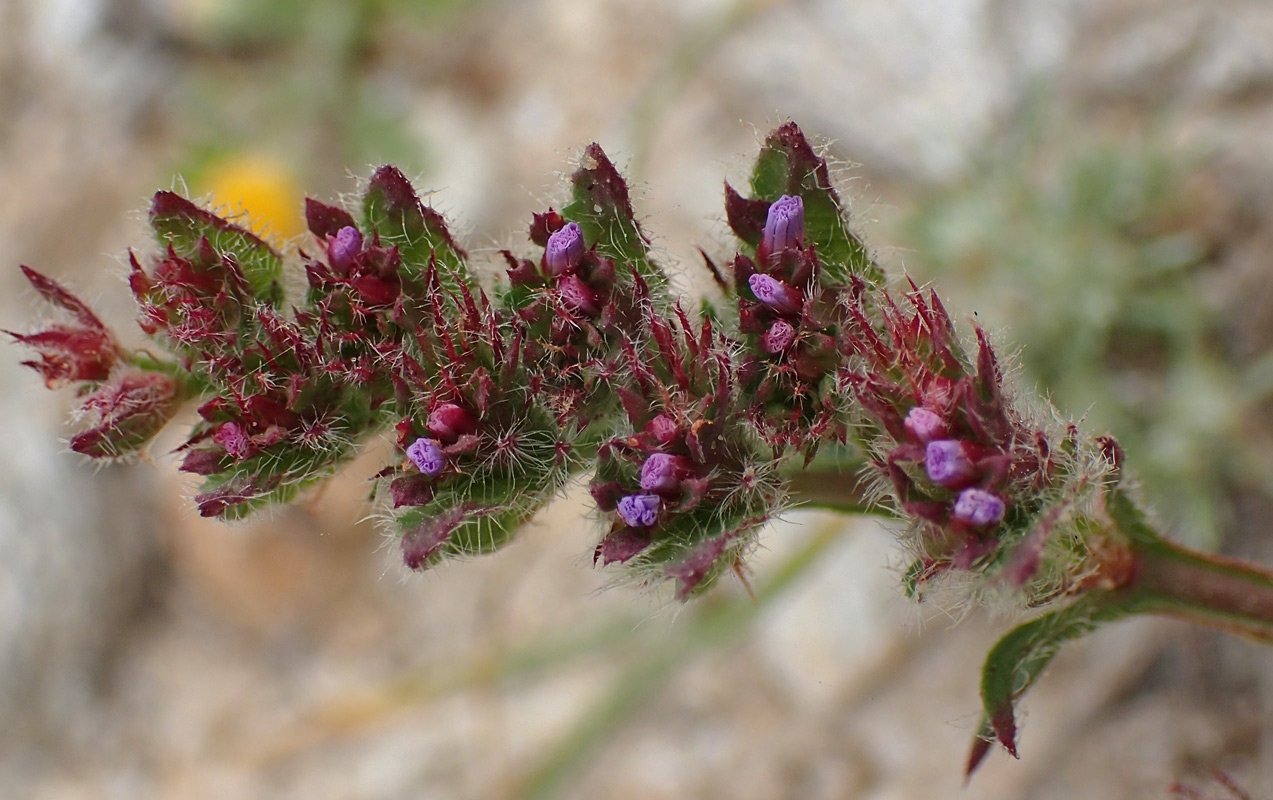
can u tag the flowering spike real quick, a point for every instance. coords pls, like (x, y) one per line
(584, 361)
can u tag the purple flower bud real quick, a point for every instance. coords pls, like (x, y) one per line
(784, 227)
(924, 425)
(234, 439)
(564, 250)
(639, 510)
(663, 473)
(343, 248)
(778, 338)
(663, 428)
(979, 507)
(775, 294)
(576, 295)
(427, 456)
(947, 464)
(449, 422)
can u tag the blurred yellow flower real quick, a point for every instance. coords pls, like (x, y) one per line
(260, 193)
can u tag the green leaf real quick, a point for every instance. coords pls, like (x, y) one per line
(1020, 658)
(180, 224)
(788, 165)
(480, 508)
(600, 205)
(393, 210)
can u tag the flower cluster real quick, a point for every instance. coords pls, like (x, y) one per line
(991, 488)
(127, 396)
(688, 483)
(790, 280)
(482, 452)
(579, 360)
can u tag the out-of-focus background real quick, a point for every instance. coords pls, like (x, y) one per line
(1095, 178)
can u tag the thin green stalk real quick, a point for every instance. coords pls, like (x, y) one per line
(832, 481)
(832, 491)
(711, 629)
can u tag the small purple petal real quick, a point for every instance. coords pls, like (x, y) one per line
(924, 425)
(663, 428)
(663, 473)
(979, 507)
(947, 464)
(427, 456)
(784, 226)
(343, 248)
(778, 338)
(639, 510)
(774, 293)
(234, 439)
(564, 250)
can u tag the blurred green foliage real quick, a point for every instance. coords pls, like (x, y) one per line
(302, 79)
(1094, 253)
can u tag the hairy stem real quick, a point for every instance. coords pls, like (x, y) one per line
(1206, 589)
(1203, 588)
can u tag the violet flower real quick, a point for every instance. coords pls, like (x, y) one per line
(924, 425)
(775, 294)
(639, 510)
(947, 464)
(662, 472)
(778, 338)
(564, 250)
(234, 439)
(427, 456)
(343, 249)
(784, 225)
(979, 508)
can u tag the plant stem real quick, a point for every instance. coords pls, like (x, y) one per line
(1170, 579)
(833, 491)
(1218, 592)
(833, 481)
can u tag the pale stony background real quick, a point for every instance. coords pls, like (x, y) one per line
(145, 653)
